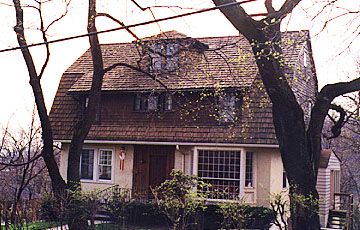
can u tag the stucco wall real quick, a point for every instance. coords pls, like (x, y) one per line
(268, 174)
(122, 178)
(267, 169)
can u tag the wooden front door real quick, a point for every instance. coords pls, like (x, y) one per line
(152, 166)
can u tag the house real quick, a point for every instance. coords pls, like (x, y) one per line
(328, 183)
(197, 106)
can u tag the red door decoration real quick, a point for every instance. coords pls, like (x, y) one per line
(122, 158)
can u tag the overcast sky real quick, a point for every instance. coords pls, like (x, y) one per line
(16, 101)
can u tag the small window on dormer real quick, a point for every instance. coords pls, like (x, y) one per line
(305, 58)
(140, 103)
(168, 102)
(86, 101)
(227, 107)
(152, 102)
(155, 55)
(172, 57)
(164, 56)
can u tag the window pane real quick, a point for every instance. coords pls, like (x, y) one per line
(249, 170)
(172, 57)
(227, 110)
(87, 164)
(156, 57)
(152, 102)
(168, 102)
(137, 102)
(105, 164)
(104, 172)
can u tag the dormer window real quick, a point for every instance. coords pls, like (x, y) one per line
(153, 102)
(227, 107)
(156, 56)
(305, 58)
(172, 57)
(164, 56)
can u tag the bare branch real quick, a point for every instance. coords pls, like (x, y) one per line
(43, 33)
(67, 3)
(136, 69)
(119, 22)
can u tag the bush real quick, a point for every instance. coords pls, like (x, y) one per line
(179, 200)
(256, 217)
(80, 204)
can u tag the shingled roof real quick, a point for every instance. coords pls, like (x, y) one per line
(227, 63)
(215, 69)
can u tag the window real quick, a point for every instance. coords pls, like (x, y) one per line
(96, 164)
(104, 166)
(249, 170)
(155, 56)
(164, 56)
(227, 107)
(98, 110)
(168, 102)
(153, 102)
(305, 58)
(284, 179)
(172, 57)
(140, 103)
(221, 169)
(87, 164)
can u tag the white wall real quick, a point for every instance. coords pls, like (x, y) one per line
(122, 178)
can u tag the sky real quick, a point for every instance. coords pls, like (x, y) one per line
(335, 48)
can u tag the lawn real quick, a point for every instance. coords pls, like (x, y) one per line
(31, 226)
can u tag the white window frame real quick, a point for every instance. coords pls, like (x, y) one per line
(242, 163)
(96, 165)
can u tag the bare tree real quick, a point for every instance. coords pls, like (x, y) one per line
(22, 173)
(83, 125)
(300, 146)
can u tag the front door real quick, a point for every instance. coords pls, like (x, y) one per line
(152, 166)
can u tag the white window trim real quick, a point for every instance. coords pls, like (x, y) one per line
(242, 163)
(96, 166)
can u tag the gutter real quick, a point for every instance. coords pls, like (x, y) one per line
(175, 143)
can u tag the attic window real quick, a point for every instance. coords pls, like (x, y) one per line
(172, 57)
(156, 56)
(164, 56)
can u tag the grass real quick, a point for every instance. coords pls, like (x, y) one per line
(108, 226)
(31, 226)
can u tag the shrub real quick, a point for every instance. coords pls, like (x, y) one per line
(179, 200)
(256, 217)
(120, 206)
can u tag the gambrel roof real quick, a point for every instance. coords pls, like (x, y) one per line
(226, 63)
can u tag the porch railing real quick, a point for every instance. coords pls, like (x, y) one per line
(341, 213)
